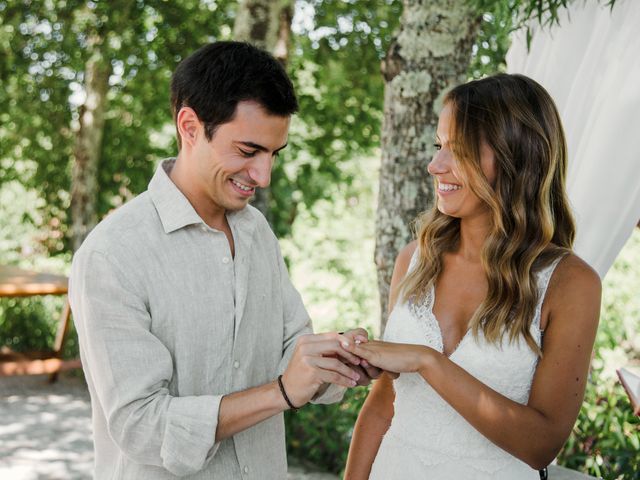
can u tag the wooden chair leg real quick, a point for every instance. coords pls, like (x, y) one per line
(61, 335)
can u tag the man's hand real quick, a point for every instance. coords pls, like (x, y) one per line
(318, 359)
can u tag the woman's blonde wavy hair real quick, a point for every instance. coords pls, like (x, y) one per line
(531, 220)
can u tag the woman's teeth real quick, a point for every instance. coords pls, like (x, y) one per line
(447, 187)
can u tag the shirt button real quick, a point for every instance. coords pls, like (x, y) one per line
(203, 228)
(236, 364)
(246, 469)
(225, 259)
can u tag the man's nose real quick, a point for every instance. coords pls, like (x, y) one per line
(260, 170)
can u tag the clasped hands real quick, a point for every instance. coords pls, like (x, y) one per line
(347, 359)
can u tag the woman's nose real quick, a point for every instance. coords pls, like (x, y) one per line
(438, 164)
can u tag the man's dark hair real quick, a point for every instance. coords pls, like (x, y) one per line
(217, 76)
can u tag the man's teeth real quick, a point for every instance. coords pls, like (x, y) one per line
(241, 186)
(448, 187)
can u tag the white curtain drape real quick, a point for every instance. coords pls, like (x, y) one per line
(590, 64)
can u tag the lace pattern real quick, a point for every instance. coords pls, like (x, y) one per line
(423, 311)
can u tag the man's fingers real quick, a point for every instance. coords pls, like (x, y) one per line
(372, 372)
(364, 379)
(367, 372)
(331, 370)
(329, 376)
(335, 365)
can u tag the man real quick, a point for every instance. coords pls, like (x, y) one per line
(182, 302)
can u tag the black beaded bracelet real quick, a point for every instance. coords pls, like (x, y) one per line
(284, 394)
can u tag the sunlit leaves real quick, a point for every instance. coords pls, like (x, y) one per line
(44, 48)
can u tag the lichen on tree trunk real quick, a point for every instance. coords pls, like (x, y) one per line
(430, 53)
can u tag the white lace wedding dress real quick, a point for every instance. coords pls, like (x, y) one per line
(427, 438)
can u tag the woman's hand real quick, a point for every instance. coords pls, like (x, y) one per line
(393, 357)
(366, 372)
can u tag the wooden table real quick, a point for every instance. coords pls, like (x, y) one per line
(15, 282)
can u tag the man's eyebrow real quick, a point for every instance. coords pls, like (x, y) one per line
(260, 147)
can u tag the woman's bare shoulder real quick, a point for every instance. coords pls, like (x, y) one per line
(574, 270)
(404, 258)
(400, 270)
(575, 282)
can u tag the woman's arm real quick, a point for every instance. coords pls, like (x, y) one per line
(535, 432)
(376, 414)
(373, 422)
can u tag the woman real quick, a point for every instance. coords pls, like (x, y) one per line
(480, 395)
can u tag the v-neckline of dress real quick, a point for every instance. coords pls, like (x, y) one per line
(437, 325)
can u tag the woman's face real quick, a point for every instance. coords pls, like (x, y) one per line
(454, 197)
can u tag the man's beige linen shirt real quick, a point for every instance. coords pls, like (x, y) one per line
(168, 323)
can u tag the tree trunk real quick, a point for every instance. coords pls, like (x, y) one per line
(267, 25)
(430, 54)
(88, 145)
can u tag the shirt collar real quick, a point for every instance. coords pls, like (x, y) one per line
(175, 210)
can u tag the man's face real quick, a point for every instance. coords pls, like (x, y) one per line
(239, 157)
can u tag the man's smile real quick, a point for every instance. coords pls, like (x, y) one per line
(241, 188)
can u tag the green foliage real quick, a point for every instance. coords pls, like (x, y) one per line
(335, 66)
(546, 12)
(606, 439)
(331, 253)
(334, 62)
(44, 48)
(29, 323)
(20, 222)
(489, 52)
(500, 18)
(320, 434)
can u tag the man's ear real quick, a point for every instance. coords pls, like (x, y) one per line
(188, 125)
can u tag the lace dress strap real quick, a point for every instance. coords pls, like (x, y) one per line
(544, 277)
(545, 274)
(414, 259)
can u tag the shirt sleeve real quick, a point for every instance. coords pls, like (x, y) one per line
(296, 323)
(130, 370)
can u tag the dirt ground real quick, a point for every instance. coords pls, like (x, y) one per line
(45, 430)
